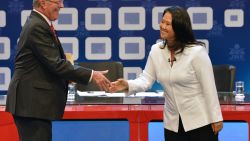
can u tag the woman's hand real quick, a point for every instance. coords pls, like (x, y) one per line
(217, 126)
(118, 86)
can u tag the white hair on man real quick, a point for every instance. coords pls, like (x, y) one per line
(37, 3)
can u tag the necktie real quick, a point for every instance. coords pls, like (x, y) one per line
(53, 31)
(57, 41)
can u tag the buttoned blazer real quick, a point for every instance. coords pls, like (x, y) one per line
(189, 86)
(39, 84)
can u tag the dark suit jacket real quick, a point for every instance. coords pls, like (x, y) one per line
(38, 87)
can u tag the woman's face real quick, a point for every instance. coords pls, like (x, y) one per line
(166, 30)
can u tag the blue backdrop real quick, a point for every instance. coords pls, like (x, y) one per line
(98, 31)
(125, 30)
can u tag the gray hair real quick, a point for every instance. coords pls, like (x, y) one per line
(36, 3)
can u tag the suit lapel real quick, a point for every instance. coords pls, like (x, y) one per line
(56, 40)
(59, 45)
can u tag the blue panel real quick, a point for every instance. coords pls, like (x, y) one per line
(132, 18)
(98, 48)
(155, 131)
(232, 131)
(156, 86)
(98, 19)
(2, 78)
(65, 19)
(67, 47)
(199, 18)
(90, 131)
(233, 18)
(228, 45)
(132, 48)
(2, 48)
(131, 76)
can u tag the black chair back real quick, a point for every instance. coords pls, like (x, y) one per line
(224, 77)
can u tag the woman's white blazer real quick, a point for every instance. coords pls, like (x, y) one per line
(189, 86)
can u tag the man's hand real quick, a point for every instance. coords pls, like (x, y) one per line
(217, 126)
(100, 80)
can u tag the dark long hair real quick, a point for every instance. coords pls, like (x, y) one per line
(182, 27)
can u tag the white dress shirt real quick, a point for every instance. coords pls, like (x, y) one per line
(47, 20)
(189, 86)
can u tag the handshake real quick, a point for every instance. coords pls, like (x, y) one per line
(101, 81)
(105, 85)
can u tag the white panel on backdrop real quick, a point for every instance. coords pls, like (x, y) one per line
(98, 18)
(4, 78)
(157, 17)
(4, 48)
(2, 18)
(131, 18)
(131, 72)
(132, 48)
(70, 45)
(234, 18)
(201, 17)
(67, 20)
(98, 48)
(24, 15)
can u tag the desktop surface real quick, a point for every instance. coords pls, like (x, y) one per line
(142, 98)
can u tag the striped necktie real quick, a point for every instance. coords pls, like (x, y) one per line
(53, 31)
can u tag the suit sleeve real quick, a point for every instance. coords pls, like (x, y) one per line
(47, 52)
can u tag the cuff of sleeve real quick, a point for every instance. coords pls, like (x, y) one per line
(90, 79)
(130, 89)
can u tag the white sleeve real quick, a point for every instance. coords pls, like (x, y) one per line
(145, 79)
(204, 73)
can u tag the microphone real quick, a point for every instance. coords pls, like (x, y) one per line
(169, 60)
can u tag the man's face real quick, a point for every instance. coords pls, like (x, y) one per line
(52, 8)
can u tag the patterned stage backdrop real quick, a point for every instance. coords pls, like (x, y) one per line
(125, 30)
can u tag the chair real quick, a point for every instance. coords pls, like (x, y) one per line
(224, 77)
(115, 72)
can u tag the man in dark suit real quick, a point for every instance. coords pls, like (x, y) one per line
(38, 90)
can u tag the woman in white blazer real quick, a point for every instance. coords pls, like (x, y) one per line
(182, 66)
